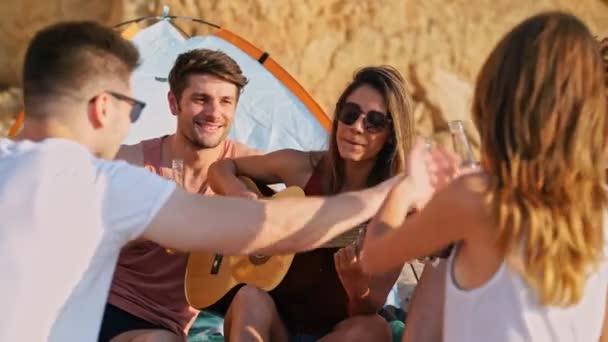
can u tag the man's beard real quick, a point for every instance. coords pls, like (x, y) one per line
(201, 143)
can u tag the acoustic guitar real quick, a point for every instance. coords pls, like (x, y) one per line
(209, 277)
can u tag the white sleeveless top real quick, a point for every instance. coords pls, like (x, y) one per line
(505, 309)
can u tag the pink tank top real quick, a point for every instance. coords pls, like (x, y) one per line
(149, 281)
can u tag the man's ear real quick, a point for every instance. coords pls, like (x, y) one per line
(98, 111)
(173, 103)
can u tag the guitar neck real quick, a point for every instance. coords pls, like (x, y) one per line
(347, 238)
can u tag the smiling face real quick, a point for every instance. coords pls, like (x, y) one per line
(355, 142)
(206, 110)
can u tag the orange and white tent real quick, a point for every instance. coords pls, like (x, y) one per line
(274, 110)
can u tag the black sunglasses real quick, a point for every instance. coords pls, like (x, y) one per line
(373, 121)
(137, 106)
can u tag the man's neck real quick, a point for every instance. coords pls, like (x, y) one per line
(196, 159)
(38, 130)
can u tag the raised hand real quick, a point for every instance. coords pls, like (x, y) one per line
(430, 167)
(237, 188)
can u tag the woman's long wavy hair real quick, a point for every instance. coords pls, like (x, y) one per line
(604, 53)
(392, 158)
(540, 109)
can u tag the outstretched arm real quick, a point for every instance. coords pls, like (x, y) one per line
(290, 167)
(447, 218)
(429, 169)
(238, 226)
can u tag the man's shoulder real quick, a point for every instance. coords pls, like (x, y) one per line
(132, 154)
(236, 149)
(46, 153)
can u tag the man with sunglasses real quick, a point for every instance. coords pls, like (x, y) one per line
(147, 297)
(67, 209)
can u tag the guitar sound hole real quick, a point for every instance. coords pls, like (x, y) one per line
(258, 259)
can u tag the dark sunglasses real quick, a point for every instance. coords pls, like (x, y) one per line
(137, 106)
(373, 121)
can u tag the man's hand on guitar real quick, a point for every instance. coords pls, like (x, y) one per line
(355, 282)
(239, 189)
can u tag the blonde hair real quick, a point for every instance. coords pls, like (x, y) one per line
(540, 109)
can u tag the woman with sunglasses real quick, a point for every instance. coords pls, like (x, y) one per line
(325, 294)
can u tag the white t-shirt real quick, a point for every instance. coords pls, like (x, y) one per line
(64, 215)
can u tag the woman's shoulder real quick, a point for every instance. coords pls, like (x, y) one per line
(473, 187)
(469, 199)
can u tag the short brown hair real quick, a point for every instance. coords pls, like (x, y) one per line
(65, 58)
(204, 61)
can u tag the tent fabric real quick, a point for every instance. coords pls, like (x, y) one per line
(274, 111)
(16, 127)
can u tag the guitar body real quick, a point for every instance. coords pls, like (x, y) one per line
(204, 289)
(210, 276)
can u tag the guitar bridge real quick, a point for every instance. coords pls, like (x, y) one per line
(215, 265)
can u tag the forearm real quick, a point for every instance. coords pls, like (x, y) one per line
(230, 225)
(393, 211)
(425, 313)
(380, 253)
(221, 173)
(304, 224)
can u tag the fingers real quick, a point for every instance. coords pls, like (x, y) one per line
(421, 146)
(248, 194)
(345, 258)
(442, 166)
(351, 255)
(238, 189)
(358, 245)
(338, 260)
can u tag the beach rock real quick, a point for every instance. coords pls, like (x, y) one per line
(438, 45)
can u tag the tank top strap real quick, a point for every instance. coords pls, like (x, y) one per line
(314, 186)
(152, 154)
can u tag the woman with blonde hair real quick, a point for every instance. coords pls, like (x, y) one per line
(529, 257)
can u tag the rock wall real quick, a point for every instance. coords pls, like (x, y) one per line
(439, 45)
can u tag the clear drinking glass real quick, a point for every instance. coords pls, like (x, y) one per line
(177, 168)
(462, 145)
